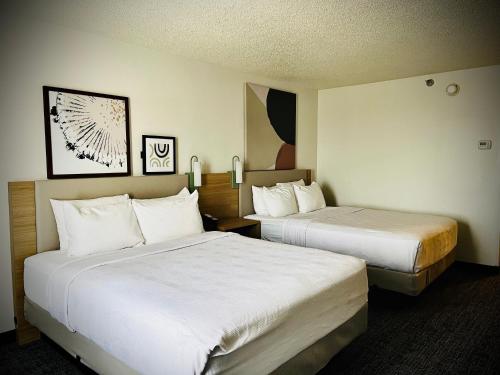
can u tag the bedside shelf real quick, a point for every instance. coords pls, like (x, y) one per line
(245, 227)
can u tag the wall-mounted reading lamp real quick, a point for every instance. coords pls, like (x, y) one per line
(236, 172)
(194, 176)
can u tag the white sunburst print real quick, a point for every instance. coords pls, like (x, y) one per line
(94, 128)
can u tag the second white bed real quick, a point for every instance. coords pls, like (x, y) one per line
(397, 241)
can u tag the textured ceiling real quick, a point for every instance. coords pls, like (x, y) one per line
(320, 43)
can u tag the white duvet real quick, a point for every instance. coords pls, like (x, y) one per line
(398, 241)
(168, 308)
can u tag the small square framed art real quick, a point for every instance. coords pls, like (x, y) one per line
(158, 155)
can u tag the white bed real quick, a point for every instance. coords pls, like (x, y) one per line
(397, 241)
(405, 252)
(194, 301)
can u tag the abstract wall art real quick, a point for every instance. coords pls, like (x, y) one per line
(158, 155)
(270, 128)
(86, 134)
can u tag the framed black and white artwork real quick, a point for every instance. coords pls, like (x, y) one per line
(158, 155)
(86, 134)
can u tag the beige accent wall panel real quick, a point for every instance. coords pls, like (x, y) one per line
(266, 178)
(139, 187)
(405, 146)
(202, 105)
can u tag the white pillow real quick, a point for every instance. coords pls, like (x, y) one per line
(168, 218)
(58, 209)
(101, 228)
(291, 184)
(181, 195)
(280, 201)
(259, 205)
(298, 183)
(310, 198)
(184, 193)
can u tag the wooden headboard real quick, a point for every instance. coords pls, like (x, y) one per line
(33, 228)
(217, 196)
(266, 178)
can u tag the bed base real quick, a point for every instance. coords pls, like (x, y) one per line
(75, 344)
(312, 359)
(309, 361)
(409, 283)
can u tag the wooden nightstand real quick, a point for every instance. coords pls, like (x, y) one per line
(245, 227)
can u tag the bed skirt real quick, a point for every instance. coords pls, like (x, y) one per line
(409, 283)
(309, 361)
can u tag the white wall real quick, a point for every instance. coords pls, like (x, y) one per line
(402, 145)
(202, 105)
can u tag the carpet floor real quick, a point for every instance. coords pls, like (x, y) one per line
(451, 328)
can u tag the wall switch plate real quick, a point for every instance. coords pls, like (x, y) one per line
(484, 144)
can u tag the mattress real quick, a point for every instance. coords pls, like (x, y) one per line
(398, 241)
(215, 293)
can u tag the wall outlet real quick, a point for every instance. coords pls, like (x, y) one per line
(484, 144)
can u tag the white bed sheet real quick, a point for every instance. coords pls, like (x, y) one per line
(37, 271)
(398, 241)
(39, 267)
(271, 228)
(213, 293)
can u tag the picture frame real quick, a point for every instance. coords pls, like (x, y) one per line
(270, 128)
(87, 134)
(158, 155)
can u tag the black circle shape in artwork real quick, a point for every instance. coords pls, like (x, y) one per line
(281, 113)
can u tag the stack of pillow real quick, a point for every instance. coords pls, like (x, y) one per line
(111, 223)
(287, 198)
